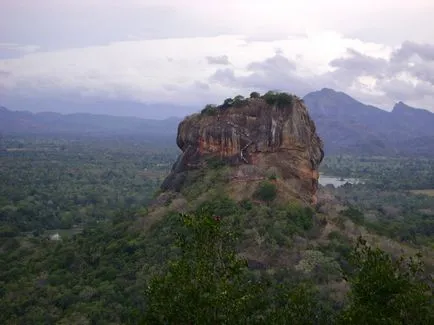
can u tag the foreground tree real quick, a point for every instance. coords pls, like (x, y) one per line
(209, 284)
(387, 291)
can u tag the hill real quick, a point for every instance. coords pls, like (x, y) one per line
(349, 126)
(23, 122)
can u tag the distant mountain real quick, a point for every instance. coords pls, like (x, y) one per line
(82, 123)
(70, 104)
(347, 125)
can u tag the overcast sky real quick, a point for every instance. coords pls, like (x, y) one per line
(193, 52)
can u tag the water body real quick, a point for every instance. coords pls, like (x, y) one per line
(337, 181)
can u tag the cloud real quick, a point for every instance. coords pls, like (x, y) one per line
(408, 49)
(201, 85)
(4, 73)
(276, 73)
(18, 48)
(174, 70)
(274, 36)
(223, 76)
(407, 74)
(276, 64)
(359, 63)
(222, 59)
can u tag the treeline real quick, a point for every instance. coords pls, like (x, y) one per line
(383, 173)
(272, 98)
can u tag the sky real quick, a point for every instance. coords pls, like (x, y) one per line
(70, 55)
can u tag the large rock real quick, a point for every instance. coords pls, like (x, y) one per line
(257, 133)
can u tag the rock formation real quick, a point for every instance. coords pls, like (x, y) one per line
(266, 132)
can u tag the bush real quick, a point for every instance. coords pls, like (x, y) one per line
(266, 192)
(246, 204)
(385, 290)
(220, 206)
(354, 214)
(210, 110)
(301, 217)
(215, 162)
(270, 97)
(228, 102)
(255, 95)
(281, 100)
(284, 100)
(239, 101)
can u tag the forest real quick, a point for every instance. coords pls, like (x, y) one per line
(185, 268)
(64, 182)
(394, 198)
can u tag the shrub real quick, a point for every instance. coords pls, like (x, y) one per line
(221, 206)
(385, 290)
(214, 162)
(272, 177)
(266, 192)
(210, 110)
(354, 214)
(301, 217)
(281, 100)
(255, 95)
(270, 97)
(239, 101)
(228, 102)
(246, 204)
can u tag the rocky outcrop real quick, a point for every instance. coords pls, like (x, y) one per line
(253, 132)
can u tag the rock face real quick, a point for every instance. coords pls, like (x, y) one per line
(256, 133)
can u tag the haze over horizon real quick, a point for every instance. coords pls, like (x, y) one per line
(108, 57)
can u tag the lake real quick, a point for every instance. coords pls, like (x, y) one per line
(337, 181)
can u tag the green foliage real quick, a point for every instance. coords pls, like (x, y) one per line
(266, 191)
(255, 95)
(301, 216)
(209, 284)
(205, 285)
(246, 204)
(354, 214)
(239, 101)
(387, 291)
(228, 102)
(280, 100)
(89, 180)
(383, 173)
(220, 206)
(214, 162)
(94, 277)
(272, 177)
(113, 272)
(384, 203)
(210, 110)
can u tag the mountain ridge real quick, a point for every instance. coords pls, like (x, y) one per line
(345, 124)
(88, 123)
(349, 126)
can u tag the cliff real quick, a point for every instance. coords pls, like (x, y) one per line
(272, 134)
